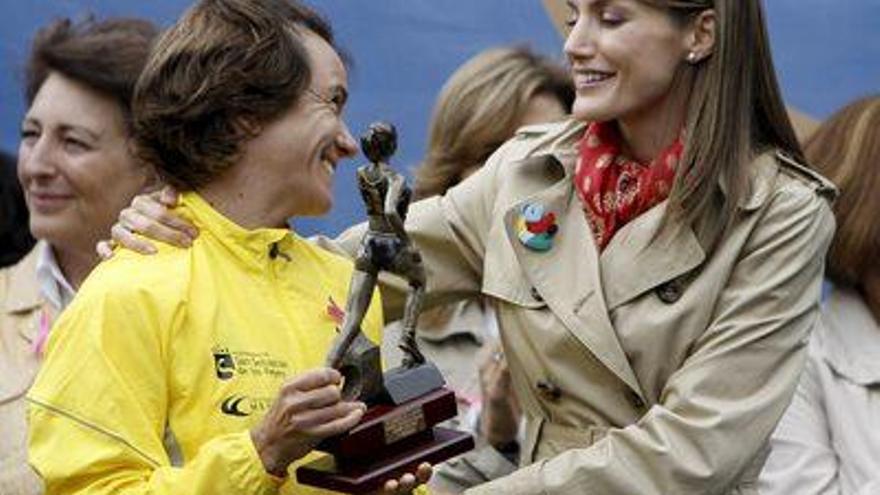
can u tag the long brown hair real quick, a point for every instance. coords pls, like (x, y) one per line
(735, 110)
(480, 107)
(846, 149)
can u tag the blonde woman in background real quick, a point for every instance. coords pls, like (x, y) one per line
(828, 440)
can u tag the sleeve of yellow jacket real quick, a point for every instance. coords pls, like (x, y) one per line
(112, 436)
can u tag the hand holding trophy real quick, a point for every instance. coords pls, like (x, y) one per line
(398, 431)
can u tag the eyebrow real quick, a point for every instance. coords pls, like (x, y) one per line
(91, 134)
(96, 136)
(592, 4)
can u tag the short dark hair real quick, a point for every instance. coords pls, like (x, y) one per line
(224, 64)
(107, 56)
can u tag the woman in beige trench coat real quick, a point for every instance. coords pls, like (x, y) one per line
(655, 329)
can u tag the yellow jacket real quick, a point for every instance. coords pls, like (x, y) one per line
(162, 364)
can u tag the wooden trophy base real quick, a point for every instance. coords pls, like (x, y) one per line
(331, 474)
(389, 442)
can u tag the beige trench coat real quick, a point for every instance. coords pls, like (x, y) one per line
(651, 368)
(20, 309)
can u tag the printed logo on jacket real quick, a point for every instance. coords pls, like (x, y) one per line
(232, 364)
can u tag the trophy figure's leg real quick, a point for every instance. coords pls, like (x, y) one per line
(415, 274)
(353, 354)
(360, 292)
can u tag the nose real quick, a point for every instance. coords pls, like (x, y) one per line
(580, 43)
(345, 143)
(36, 159)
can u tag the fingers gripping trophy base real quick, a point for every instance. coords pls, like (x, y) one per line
(388, 443)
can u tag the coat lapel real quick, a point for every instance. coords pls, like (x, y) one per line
(24, 291)
(635, 261)
(567, 275)
(22, 306)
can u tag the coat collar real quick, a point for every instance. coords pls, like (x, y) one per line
(23, 288)
(252, 247)
(633, 263)
(23, 295)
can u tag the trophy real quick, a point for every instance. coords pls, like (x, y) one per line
(398, 431)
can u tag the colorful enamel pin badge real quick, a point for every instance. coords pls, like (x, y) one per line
(535, 228)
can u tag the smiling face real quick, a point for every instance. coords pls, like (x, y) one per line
(624, 55)
(296, 154)
(74, 164)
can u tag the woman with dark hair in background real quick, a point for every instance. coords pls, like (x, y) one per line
(77, 171)
(828, 440)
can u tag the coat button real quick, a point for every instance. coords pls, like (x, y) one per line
(635, 400)
(548, 391)
(670, 291)
(536, 295)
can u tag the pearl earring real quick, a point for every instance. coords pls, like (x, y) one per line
(692, 57)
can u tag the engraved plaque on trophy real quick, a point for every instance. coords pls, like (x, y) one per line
(398, 432)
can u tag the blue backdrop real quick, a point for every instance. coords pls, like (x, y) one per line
(827, 53)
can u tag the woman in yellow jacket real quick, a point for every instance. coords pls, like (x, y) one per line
(199, 370)
(654, 264)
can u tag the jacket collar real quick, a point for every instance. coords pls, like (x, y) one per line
(251, 247)
(849, 338)
(563, 145)
(584, 302)
(23, 294)
(23, 288)
(640, 246)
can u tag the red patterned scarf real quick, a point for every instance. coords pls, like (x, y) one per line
(615, 189)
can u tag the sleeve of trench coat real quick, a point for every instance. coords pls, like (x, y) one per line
(718, 409)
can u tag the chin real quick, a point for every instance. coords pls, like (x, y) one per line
(586, 112)
(45, 228)
(56, 233)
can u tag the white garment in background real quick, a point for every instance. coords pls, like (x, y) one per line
(828, 442)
